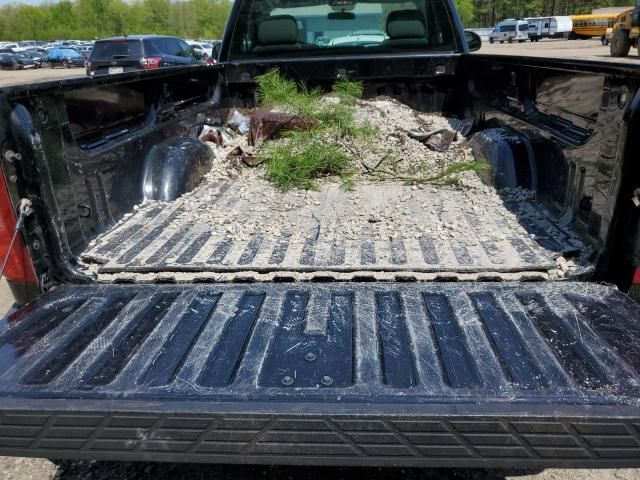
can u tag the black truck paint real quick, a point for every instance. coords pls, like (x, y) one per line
(418, 374)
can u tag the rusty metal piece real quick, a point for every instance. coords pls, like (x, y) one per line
(440, 141)
(236, 152)
(238, 155)
(213, 135)
(250, 159)
(267, 124)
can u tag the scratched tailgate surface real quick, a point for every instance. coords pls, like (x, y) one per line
(239, 369)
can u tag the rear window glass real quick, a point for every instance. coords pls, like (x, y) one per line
(117, 48)
(167, 46)
(305, 27)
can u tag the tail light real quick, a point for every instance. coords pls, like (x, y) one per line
(149, 63)
(19, 267)
(636, 277)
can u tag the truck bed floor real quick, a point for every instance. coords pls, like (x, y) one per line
(236, 226)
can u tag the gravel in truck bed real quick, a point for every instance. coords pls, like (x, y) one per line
(237, 222)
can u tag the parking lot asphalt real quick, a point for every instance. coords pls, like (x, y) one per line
(571, 49)
(34, 75)
(43, 469)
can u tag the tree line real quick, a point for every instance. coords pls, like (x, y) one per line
(90, 19)
(486, 13)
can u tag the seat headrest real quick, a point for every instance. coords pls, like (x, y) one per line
(406, 24)
(278, 30)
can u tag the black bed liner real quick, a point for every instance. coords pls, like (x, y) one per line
(493, 374)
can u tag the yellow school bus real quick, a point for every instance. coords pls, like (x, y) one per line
(592, 25)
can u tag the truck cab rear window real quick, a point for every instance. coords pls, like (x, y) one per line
(303, 27)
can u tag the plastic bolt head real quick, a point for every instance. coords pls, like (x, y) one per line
(327, 380)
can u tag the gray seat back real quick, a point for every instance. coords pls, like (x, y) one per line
(279, 32)
(406, 28)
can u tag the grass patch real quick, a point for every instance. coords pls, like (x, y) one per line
(304, 156)
(276, 91)
(347, 91)
(301, 159)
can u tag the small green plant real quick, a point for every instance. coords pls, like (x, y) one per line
(276, 91)
(348, 91)
(304, 156)
(449, 176)
(300, 160)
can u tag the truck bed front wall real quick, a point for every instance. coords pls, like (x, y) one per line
(377, 374)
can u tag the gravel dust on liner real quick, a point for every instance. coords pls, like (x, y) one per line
(238, 221)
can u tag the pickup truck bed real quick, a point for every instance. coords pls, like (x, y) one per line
(161, 337)
(465, 375)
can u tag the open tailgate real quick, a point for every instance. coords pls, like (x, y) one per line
(489, 374)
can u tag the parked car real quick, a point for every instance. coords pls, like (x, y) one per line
(16, 61)
(203, 48)
(25, 61)
(13, 46)
(65, 57)
(26, 45)
(38, 49)
(7, 61)
(85, 50)
(510, 31)
(38, 57)
(139, 52)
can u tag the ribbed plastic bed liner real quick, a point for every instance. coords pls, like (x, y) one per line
(355, 374)
(167, 238)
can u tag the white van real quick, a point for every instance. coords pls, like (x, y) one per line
(13, 46)
(510, 30)
(549, 27)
